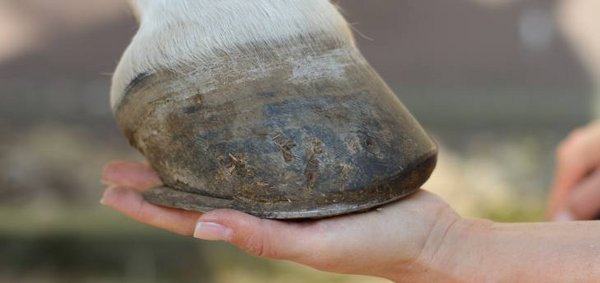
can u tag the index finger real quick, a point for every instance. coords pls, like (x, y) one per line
(132, 204)
(130, 174)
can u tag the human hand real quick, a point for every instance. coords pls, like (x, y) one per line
(576, 189)
(404, 241)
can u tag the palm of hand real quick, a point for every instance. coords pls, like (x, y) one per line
(394, 237)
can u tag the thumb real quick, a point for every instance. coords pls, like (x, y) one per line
(584, 202)
(260, 237)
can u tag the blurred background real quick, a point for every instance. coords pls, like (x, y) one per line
(499, 83)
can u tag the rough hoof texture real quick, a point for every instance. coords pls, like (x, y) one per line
(369, 198)
(280, 144)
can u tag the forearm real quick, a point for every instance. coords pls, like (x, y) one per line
(546, 252)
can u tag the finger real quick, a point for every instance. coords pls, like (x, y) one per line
(579, 154)
(132, 204)
(130, 174)
(568, 172)
(575, 158)
(584, 203)
(561, 189)
(263, 238)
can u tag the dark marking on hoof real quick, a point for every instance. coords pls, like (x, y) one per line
(195, 104)
(266, 94)
(141, 77)
(237, 164)
(191, 109)
(370, 144)
(311, 172)
(286, 145)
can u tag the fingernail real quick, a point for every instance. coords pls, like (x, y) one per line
(212, 232)
(563, 216)
(103, 200)
(110, 194)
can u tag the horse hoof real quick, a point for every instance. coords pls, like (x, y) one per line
(308, 134)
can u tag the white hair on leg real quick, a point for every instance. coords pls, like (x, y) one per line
(178, 34)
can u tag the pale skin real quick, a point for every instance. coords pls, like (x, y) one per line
(576, 190)
(419, 239)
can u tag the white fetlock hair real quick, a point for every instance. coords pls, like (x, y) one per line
(175, 35)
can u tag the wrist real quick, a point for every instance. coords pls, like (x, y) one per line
(452, 251)
(459, 257)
